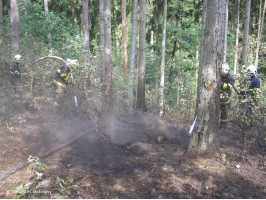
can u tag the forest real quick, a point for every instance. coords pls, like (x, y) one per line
(141, 116)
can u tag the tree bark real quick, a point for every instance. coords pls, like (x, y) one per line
(1, 10)
(14, 19)
(161, 104)
(108, 54)
(225, 30)
(142, 57)
(237, 36)
(102, 20)
(46, 10)
(260, 30)
(124, 37)
(157, 52)
(86, 34)
(114, 32)
(205, 138)
(246, 33)
(133, 53)
(171, 69)
(73, 15)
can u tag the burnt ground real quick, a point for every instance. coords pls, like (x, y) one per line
(123, 156)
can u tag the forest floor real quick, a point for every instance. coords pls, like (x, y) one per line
(122, 156)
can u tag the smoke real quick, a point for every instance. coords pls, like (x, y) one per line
(111, 127)
(142, 127)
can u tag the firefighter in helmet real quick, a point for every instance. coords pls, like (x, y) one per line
(250, 94)
(15, 73)
(61, 80)
(227, 84)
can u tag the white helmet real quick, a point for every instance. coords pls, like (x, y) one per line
(18, 57)
(225, 69)
(251, 69)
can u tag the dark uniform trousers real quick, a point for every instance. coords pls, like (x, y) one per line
(14, 76)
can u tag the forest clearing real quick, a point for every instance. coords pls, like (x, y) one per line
(160, 99)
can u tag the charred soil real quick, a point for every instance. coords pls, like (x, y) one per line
(123, 156)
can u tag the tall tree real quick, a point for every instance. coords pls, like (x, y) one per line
(1, 10)
(205, 138)
(124, 36)
(237, 36)
(14, 19)
(260, 30)
(73, 14)
(86, 41)
(133, 53)
(246, 33)
(163, 59)
(142, 56)
(225, 30)
(108, 53)
(157, 21)
(116, 42)
(86, 33)
(101, 11)
(46, 10)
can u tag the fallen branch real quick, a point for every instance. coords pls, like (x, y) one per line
(20, 166)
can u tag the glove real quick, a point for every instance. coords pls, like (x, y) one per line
(72, 79)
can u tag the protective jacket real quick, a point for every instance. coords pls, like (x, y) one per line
(14, 73)
(62, 76)
(252, 93)
(227, 84)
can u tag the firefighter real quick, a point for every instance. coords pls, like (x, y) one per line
(250, 95)
(15, 73)
(227, 84)
(61, 80)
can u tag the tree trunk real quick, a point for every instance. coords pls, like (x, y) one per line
(225, 30)
(124, 37)
(237, 36)
(46, 10)
(73, 16)
(260, 30)
(224, 22)
(2, 29)
(14, 19)
(1, 10)
(157, 53)
(171, 69)
(161, 104)
(133, 54)
(142, 57)
(102, 20)
(114, 32)
(86, 34)
(108, 54)
(246, 33)
(86, 41)
(205, 138)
